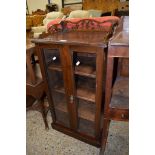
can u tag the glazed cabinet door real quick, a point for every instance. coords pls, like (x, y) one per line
(54, 73)
(87, 65)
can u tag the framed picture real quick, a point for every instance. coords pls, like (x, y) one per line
(73, 4)
(72, 1)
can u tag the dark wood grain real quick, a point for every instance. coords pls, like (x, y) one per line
(85, 110)
(99, 91)
(74, 38)
(75, 92)
(83, 137)
(69, 86)
(117, 89)
(35, 86)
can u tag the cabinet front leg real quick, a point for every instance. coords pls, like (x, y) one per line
(104, 135)
(44, 112)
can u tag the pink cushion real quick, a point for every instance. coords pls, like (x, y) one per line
(83, 23)
(53, 22)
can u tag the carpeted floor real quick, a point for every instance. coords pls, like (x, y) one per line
(52, 142)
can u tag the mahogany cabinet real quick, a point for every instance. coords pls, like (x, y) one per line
(73, 68)
(73, 63)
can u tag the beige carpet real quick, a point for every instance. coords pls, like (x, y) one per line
(52, 142)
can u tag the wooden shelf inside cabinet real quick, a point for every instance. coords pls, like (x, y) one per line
(56, 67)
(85, 64)
(82, 70)
(85, 70)
(85, 111)
(120, 95)
(87, 94)
(59, 89)
(84, 93)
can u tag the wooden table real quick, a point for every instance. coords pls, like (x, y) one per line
(30, 49)
(35, 86)
(117, 86)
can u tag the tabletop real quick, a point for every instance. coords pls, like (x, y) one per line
(119, 43)
(91, 38)
(122, 38)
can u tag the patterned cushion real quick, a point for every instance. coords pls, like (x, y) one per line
(53, 22)
(79, 24)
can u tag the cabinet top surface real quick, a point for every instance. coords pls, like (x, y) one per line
(91, 38)
(122, 38)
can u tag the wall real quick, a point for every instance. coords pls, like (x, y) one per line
(33, 5)
(105, 5)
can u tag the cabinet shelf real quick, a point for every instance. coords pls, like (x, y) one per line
(86, 94)
(83, 70)
(84, 64)
(56, 67)
(120, 94)
(82, 93)
(85, 111)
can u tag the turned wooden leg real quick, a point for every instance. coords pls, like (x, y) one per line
(44, 112)
(105, 131)
(51, 108)
(44, 115)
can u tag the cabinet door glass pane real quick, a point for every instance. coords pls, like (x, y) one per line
(56, 85)
(84, 66)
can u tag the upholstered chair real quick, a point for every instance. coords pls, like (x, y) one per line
(49, 17)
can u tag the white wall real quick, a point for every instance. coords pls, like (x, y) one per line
(33, 5)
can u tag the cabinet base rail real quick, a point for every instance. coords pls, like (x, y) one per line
(85, 138)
